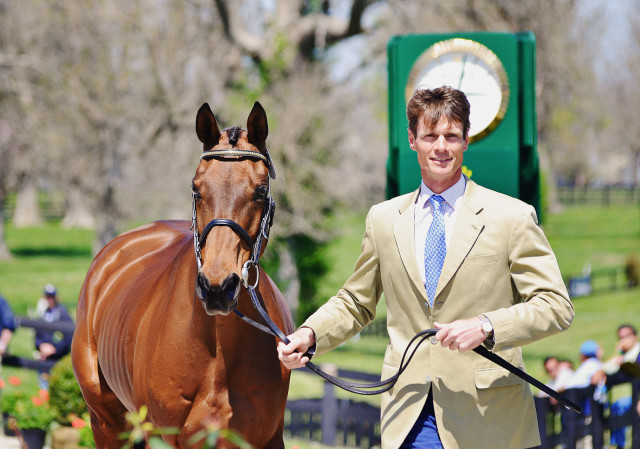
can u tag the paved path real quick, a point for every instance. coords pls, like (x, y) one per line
(9, 442)
(12, 442)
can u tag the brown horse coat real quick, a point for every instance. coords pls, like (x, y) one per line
(143, 336)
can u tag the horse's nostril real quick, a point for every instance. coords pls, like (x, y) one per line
(203, 283)
(230, 286)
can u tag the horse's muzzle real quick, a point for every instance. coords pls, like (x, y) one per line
(220, 299)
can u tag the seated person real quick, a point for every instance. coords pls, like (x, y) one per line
(590, 353)
(53, 345)
(627, 351)
(7, 325)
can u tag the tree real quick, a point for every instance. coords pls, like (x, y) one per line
(111, 89)
(620, 146)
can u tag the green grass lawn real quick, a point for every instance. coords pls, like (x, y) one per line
(597, 236)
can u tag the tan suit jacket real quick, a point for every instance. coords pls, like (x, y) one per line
(498, 263)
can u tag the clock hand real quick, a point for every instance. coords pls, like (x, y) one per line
(464, 63)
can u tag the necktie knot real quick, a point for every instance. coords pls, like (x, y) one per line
(436, 202)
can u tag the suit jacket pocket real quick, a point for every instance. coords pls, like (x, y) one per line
(482, 259)
(391, 361)
(495, 377)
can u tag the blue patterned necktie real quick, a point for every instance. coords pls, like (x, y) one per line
(435, 248)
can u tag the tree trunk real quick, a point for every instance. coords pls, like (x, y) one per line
(288, 273)
(77, 213)
(106, 228)
(27, 212)
(5, 254)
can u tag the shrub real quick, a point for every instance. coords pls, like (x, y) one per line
(29, 407)
(64, 392)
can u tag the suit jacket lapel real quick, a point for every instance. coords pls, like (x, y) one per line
(403, 229)
(469, 225)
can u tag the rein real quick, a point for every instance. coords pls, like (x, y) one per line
(271, 328)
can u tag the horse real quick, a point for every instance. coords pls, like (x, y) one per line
(154, 324)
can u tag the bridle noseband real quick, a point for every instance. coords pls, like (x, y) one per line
(199, 240)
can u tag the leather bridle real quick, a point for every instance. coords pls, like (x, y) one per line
(268, 211)
(270, 327)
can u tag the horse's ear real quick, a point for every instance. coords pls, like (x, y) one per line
(257, 127)
(207, 127)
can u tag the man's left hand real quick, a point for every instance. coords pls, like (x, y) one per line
(46, 350)
(460, 335)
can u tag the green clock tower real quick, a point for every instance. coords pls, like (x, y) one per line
(497, 73)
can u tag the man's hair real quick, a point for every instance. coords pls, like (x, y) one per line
(550, 357)
(430, 105)
(630, 326)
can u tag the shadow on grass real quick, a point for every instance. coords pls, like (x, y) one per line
(51, 251)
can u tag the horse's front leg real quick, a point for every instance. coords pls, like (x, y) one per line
(107, 423)
(201, 416)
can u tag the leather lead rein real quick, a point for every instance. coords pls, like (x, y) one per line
(372, 388)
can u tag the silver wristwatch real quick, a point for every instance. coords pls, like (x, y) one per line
(487, 327)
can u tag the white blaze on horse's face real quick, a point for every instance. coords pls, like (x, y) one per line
(233, 188)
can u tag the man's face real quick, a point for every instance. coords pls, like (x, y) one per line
(440, 152)
(551, 367)
(51, 300)
(626, 338)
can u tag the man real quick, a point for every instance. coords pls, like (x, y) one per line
(627, 351)
(560, 372)
(53, 345)
(612, 372)
(499, 284)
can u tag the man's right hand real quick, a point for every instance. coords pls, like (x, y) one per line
(292, 355)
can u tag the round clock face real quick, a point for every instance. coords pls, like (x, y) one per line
(472, 68)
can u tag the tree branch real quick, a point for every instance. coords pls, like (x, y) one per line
(236, 34)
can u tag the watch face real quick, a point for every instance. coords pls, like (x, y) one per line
(472, 68)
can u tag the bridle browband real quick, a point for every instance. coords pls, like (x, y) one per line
(199, 240)
(271, 328)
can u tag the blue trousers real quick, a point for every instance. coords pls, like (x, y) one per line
(424, 433)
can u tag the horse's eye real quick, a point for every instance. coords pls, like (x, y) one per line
(262, 192)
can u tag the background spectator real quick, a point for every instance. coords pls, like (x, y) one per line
(590, 354)
(627, 350)
(564, 375)
(560, 372)
(53, 345)
(6, 324)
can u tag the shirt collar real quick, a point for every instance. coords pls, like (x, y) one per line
(451, 195)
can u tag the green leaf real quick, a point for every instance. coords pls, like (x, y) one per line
(158, 443)
(142, 413)
(236, 439)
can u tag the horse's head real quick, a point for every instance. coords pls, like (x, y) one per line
(232, 208)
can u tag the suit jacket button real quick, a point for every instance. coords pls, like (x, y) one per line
(434, 340)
